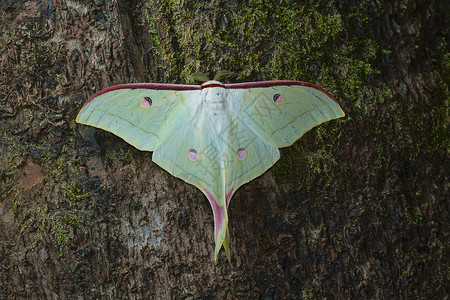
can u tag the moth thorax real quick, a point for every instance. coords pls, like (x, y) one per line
(214, 98)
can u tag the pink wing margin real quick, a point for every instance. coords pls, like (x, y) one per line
(247, 85)
(153, 86)
(243, 85)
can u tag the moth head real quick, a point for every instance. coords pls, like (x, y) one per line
(212, 84)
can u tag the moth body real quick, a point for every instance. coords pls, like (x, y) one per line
(214, 96)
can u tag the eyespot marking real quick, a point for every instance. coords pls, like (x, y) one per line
(241, 154)
(278, 99)
(193, 155)
(145, 102)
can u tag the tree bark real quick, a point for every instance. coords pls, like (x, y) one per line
(358, 208)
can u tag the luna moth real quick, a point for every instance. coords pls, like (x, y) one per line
(215, 136)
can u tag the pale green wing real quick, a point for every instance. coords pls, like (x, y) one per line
(144, 115)
(195, 156)
(280, 112)
(217, 161)
(247, 155)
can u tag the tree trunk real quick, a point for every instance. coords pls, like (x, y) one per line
(358, 208)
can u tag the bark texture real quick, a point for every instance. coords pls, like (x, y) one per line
(358, 208)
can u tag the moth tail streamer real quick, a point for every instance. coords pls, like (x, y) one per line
(221, 233)
(226, 246)
(220, 224)
(221, 240)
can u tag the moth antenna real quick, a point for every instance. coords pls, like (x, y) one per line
(199, 76)
(222, 74)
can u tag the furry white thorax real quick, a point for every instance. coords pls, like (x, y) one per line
(215, 103)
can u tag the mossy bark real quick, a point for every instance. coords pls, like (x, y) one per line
(357, 208)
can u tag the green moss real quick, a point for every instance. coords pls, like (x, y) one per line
(8, 178)
(258, 38)
(61, 210)
(11, 159)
